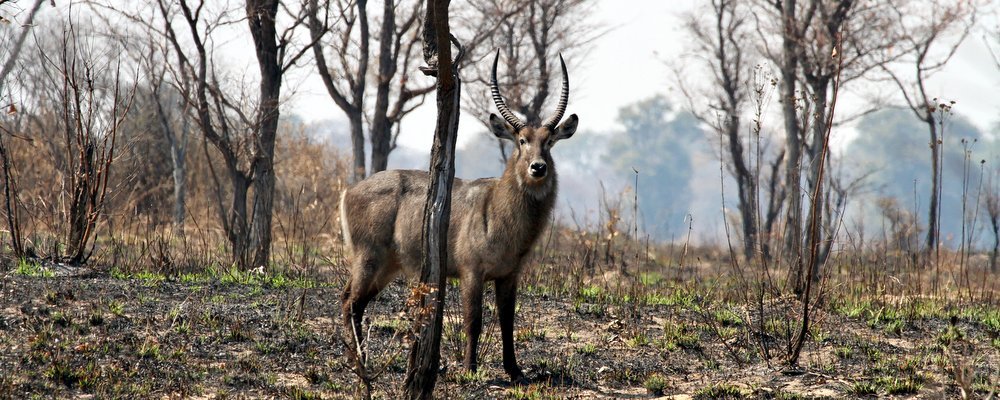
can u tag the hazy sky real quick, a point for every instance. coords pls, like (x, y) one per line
(632, 62)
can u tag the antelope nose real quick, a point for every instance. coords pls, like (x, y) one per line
(537, 169)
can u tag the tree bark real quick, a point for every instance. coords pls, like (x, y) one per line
(793, 140)
(425, 354)
(178, 156)
(381, 129)
(261, 18)
(352, 100)
(819, 87)
(237, 217)
(932, 212)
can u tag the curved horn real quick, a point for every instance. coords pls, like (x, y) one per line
(563, 98)
(498, 99)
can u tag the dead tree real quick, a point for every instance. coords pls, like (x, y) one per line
(341, 28)
(93, 101)
(931, 33)
(992, 201)
(425, 352)
(808, 66)
(171, 116)
(243, 136)
(10, 191)
(722, 43)
(13, 52)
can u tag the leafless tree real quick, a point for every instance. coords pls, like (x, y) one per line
(808, 66)
(340, 28)
(991, 198)
(9, 58)
(931, 32)
(82, 100)
(175, 127)
(721, 43)
(244, 135)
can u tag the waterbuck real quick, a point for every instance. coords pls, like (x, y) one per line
(494, 224)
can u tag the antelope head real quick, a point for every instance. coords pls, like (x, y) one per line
(531, 161)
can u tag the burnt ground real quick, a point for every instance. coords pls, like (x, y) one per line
(231, 335)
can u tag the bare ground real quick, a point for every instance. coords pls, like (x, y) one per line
(200, 336)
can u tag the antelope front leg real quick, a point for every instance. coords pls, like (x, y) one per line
(472, 302)
(506, 298)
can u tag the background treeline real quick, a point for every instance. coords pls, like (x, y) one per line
(150, 129)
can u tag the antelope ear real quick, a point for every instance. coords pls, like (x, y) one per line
(501, 129)
(566, 129)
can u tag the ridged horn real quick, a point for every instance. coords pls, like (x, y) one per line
(498, 99)
(563, 98)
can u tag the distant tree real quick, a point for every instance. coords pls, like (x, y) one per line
(721, 43)
(932, 31)
(991, 198)
(887, 145)
(658, 142)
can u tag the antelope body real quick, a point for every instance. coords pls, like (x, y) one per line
(494, 224)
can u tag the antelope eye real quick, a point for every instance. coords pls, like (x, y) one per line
(523, 141)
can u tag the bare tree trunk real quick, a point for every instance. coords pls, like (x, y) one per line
(819, 128)
(992, 200)
(237, 217)
(261, 17)
(932, 212)
(745, 186)
(79, 204)
(995, 224)
(793, 142)
(10, 203)
(425, 354)
(358, 173)
(381, 129)
(776, 198)
(351, 101)
(178, 156)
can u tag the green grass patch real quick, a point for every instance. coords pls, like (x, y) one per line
(31, 269)
(864, 388)
(896, 386)
(587, 349)
(591, 293)
(678, 335)
(655, 384)
(640, 339)
(466, 377)
(843, 352)
(727, 317)
(719, 391)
